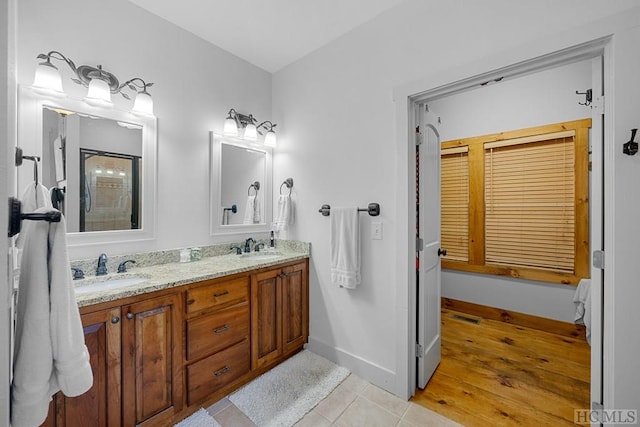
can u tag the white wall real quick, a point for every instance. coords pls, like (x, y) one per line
(532, 100)
(195, 85)
(339, 143)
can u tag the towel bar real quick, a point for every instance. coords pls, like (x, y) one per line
(373, 209)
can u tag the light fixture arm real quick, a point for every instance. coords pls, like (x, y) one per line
(266, 125)
(59, 56)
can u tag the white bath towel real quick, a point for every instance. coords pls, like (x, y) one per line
(50, 354)
(345, 247)
(286, 215)
(252, 212)
(582, 301)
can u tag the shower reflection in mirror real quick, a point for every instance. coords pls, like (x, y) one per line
(92, 167)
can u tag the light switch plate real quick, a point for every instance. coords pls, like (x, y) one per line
(376, 230)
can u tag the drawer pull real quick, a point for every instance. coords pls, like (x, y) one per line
(221, 294)
(222, 329)
(222, 371)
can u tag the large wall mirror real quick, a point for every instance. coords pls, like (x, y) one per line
(98, 163)
(240, 186)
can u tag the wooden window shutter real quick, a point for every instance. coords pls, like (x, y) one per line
(530, 216)
(454, 210)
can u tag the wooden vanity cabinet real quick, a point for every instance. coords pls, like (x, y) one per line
(280, 313)
(158, 357)
(100, 406)
(136, 357)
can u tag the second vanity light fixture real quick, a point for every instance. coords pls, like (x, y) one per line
(101, 83)
(236, 120)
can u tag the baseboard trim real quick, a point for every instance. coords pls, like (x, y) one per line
(366, 369)
(521, 319)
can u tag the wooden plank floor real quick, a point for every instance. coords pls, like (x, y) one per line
(495, 373)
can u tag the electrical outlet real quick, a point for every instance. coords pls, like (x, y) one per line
(376, 230)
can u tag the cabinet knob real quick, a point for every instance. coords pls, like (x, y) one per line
(129, 316)
(442, 252)
(115, 319)
(222, 371)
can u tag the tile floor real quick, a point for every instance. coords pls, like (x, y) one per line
(353, 403)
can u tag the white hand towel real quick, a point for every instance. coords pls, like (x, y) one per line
(249, 210)
(582, 301)
(252, 212)
(50, 354)
(286, 217)
(345, 247)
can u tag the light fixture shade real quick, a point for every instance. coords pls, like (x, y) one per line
(48, 79)
(99, 93)
(143, 104)
(230, 127)
(270, 139)
(250, 132)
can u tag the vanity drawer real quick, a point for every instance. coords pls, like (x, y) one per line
(213, 332)
(214, 372)
(218, 295)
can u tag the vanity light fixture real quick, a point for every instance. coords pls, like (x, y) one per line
(235, 120)
(102, 84)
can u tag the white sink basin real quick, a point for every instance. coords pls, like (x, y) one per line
(110, 284)
(261, 256)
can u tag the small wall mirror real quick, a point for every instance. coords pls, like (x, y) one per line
(98, 163)
(240, 186)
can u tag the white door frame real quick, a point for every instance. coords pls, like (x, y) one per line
(406, 103)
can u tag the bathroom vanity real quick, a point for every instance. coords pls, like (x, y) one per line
(186, 336)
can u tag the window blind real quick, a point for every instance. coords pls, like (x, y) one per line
(530, 202)
(454, 210)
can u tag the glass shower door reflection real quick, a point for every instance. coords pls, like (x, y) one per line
(109, 191)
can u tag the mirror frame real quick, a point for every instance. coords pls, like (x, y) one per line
(215, 190)
(30, 105)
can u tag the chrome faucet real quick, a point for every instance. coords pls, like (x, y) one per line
(102, 265)
(247, 246)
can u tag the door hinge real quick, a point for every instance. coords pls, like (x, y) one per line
(595, 406)
(598, 259)
(419, 351)
(419, 244)
(418, 138)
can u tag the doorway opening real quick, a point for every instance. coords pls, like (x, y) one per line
(422, 302)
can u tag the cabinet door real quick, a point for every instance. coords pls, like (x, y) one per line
(295, 307)
(266, 318)
(151, 361)
(100, 405)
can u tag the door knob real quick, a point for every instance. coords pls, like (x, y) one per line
(442, 252)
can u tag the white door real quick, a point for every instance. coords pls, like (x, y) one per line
(596, 227)
(428, 280)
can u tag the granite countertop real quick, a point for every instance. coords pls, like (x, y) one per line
(142, 280)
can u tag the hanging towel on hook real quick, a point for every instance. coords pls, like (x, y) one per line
(286, 215)
(50, 353)
(33, 197)
(345, 247)
(252, 212)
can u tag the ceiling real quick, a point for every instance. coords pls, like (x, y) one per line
(268, 33)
